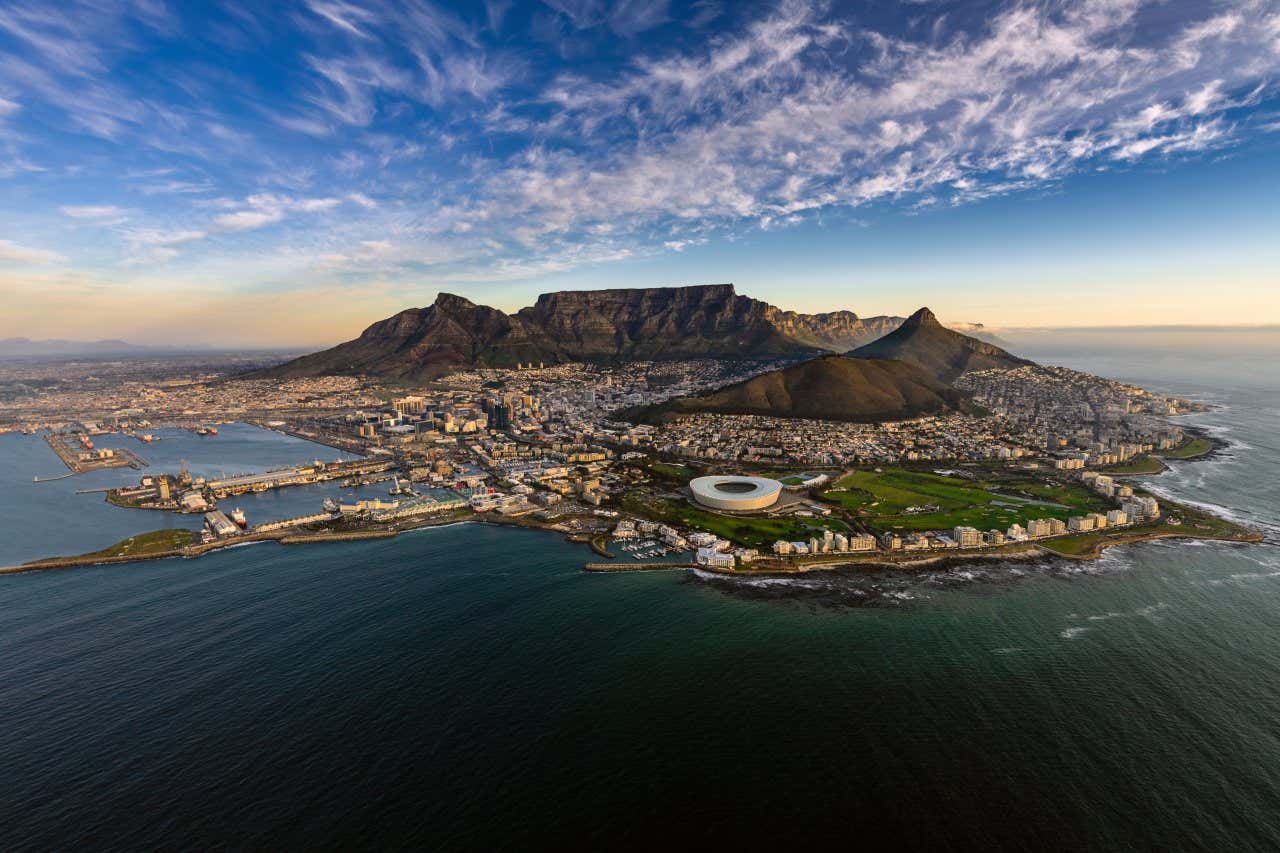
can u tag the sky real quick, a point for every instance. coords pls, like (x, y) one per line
(284, 173)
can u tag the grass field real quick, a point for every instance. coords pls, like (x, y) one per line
(1075, 546)
(1140, 465)
(147, 543)
(1197, 446)
(882, 497)
(755, 531)
(670, 471)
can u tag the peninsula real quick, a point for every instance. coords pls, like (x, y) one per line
(591, 413)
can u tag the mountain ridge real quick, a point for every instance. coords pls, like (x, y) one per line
(608, 325)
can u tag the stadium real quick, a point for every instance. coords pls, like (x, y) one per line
(735, 494)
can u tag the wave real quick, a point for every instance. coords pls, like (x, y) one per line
(1243, 517)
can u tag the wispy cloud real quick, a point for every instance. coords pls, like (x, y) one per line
(16, 253)
(803, 112)
(456, 137)
(266, 209)
(99, 213)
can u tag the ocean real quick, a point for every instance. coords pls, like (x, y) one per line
(469, 687)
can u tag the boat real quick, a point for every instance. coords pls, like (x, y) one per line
(330, 505)
(213, 430)
(147, 438)
(237, 515)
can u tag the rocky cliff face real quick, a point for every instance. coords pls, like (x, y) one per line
(711, 321)
(836, 331)
(661, 323)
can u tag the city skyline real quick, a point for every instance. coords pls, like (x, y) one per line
(206, 174)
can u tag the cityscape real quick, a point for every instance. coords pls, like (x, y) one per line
(550, 446)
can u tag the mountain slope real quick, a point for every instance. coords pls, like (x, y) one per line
(422, 343)
(665, 323)
(833, 387)
(942, 353)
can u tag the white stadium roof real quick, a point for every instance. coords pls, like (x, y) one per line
(734, 493)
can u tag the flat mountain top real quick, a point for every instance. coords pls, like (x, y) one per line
(659, 323)
(833, 387)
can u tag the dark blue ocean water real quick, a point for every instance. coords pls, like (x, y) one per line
(469, 687)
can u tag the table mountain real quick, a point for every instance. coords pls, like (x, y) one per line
(832, 387)
(941, 352)
(663, 323)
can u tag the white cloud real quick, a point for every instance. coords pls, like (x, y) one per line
(793, 113)
(93, 212)
(16, 253)
(801, 112)
(314, 205)
(247, 220)
(266, 209)
(166, 238)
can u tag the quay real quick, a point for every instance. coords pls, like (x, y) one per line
(636, 567)
(86, 457)
(346, 445)
(297, 476)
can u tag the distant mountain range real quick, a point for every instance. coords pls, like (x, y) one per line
(661, 323)
(832, 388)
(19, 347)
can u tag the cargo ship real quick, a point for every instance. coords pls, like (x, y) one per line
(237, 515)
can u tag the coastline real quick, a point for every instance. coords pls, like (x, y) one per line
(1095, 545)
(1021, 551)
(1216, 447)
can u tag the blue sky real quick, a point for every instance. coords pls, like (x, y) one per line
(259, 173)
